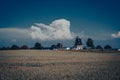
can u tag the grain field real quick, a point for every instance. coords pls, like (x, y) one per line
(58, 65)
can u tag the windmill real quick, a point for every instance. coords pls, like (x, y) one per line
(78, 43)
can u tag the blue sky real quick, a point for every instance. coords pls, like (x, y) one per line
(98, 19)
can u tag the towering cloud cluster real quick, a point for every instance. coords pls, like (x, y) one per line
(116, 35)
(57, 30)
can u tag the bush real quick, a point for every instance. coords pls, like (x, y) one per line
(108, 47)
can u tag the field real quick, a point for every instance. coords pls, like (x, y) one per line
(58, 65)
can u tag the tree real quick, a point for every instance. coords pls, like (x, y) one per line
(24, 47)
(89, 43)
(108, 47)
(38, 46)
(99, 47)
(53, 46)
(14, 47)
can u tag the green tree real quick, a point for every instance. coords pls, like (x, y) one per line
(38, 46)
(53, 46)
(24, 47)
(90, 43)
(14, 47)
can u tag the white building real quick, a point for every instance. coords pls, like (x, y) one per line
(79, 47)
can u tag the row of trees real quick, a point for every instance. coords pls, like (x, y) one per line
(37, 45)
(90, 44)
(14, 47)
(108, 47)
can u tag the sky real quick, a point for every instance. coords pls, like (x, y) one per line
(53, 21)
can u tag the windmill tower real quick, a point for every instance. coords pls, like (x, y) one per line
(78, 43)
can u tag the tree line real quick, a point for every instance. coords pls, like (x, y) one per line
(37, 45)
(90, 45)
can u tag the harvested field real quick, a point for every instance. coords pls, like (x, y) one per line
(58, 65)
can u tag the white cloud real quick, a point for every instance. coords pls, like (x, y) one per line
(116, 35)
(57, 30)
